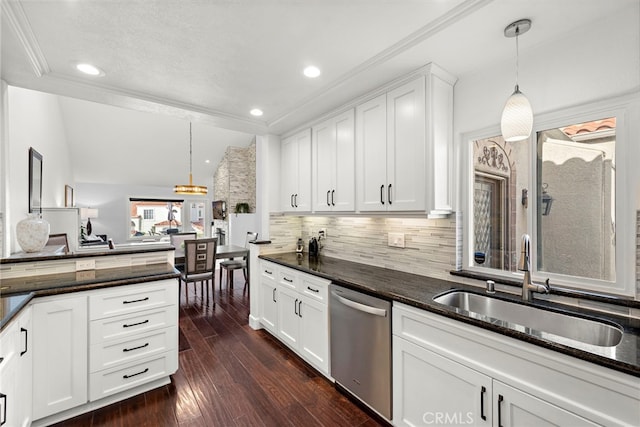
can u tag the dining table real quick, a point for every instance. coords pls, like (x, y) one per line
(222, 252)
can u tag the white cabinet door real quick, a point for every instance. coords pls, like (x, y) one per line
(25, 367)
(59, 355)
(406, 185)
(9, 395)
(288, 319)
(302, 200)
(268, 299)
(9, 367)
(324, 164)
(343, 196)
(371, 154)
(430, 389)
(314, 333)
(295, 172)
(516, 408)
(289, 172)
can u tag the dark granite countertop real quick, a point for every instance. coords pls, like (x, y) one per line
(17, 292)
(11, 305)
(418, 291)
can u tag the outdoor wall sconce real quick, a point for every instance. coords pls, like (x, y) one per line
(547, 200)
(525, 198)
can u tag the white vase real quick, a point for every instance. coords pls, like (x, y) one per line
(32, 233)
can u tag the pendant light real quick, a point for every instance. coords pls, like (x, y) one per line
(517, 116)
(197, 190)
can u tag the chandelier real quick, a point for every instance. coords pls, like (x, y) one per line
(198, 190)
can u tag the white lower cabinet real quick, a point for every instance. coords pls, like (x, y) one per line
(448, 373)
(15, 372)
(92, 345)
(430, 389)
(516, 408)
(133, 335)
(59, 354)
(299, 302)
(268, 305)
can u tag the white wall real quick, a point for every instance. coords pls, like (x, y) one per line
(588, 64)
(34, 120)
(267, 181)
(112, 202)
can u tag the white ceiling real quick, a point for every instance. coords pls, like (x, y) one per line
(210, 62)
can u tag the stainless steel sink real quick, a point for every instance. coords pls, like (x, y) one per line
(534, 321)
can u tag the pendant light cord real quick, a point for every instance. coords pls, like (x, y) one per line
(191, 155)
(517, 58)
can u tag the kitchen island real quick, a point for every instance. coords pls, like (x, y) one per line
(86, 329)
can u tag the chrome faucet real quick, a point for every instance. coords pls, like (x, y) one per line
(528, 287)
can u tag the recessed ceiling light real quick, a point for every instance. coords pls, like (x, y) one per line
(207, 161)
(89, 69)
(311, 71)
(256, 112)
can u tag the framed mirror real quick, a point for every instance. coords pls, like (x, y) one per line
(35, 181)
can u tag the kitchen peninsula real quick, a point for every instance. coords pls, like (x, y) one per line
(89, 328)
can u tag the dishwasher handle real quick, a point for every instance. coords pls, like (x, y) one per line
(360, 307)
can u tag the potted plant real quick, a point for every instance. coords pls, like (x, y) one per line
(242, 208)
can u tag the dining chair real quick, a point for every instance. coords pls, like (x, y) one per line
(177, 241)
(231, 265)
(199, 263)
(59, 240)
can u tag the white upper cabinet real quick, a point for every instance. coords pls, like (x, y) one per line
(403, 144)
(295, 174)
(333, 164)
(371, 162)
(406, 148)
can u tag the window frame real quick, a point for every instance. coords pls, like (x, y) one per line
(145, 237)
(626, 109)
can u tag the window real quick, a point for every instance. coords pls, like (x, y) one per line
(565, 188)
(155, 217)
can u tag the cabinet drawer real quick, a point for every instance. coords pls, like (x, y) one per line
(268, 271)
(111, 381)
(314, 288)
(122, 327)
(288, 279)
(112, 353)
(132, 298)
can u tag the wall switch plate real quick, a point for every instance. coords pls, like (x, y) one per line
(85, 264)
(396, 240)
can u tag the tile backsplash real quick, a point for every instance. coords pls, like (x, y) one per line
(433, 247)
(430, 244)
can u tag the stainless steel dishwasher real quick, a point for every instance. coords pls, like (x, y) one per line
(361, 346)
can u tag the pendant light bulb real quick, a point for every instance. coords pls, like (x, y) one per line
(517, 116)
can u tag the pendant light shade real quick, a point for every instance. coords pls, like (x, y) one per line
(517, 117)
(190, 189)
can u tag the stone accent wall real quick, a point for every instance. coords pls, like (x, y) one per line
(430, 244)
(235, 179)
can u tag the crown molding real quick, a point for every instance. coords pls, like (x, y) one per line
(457, 13)
(19, 23)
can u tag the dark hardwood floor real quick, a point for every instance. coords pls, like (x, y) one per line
(231, 375)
